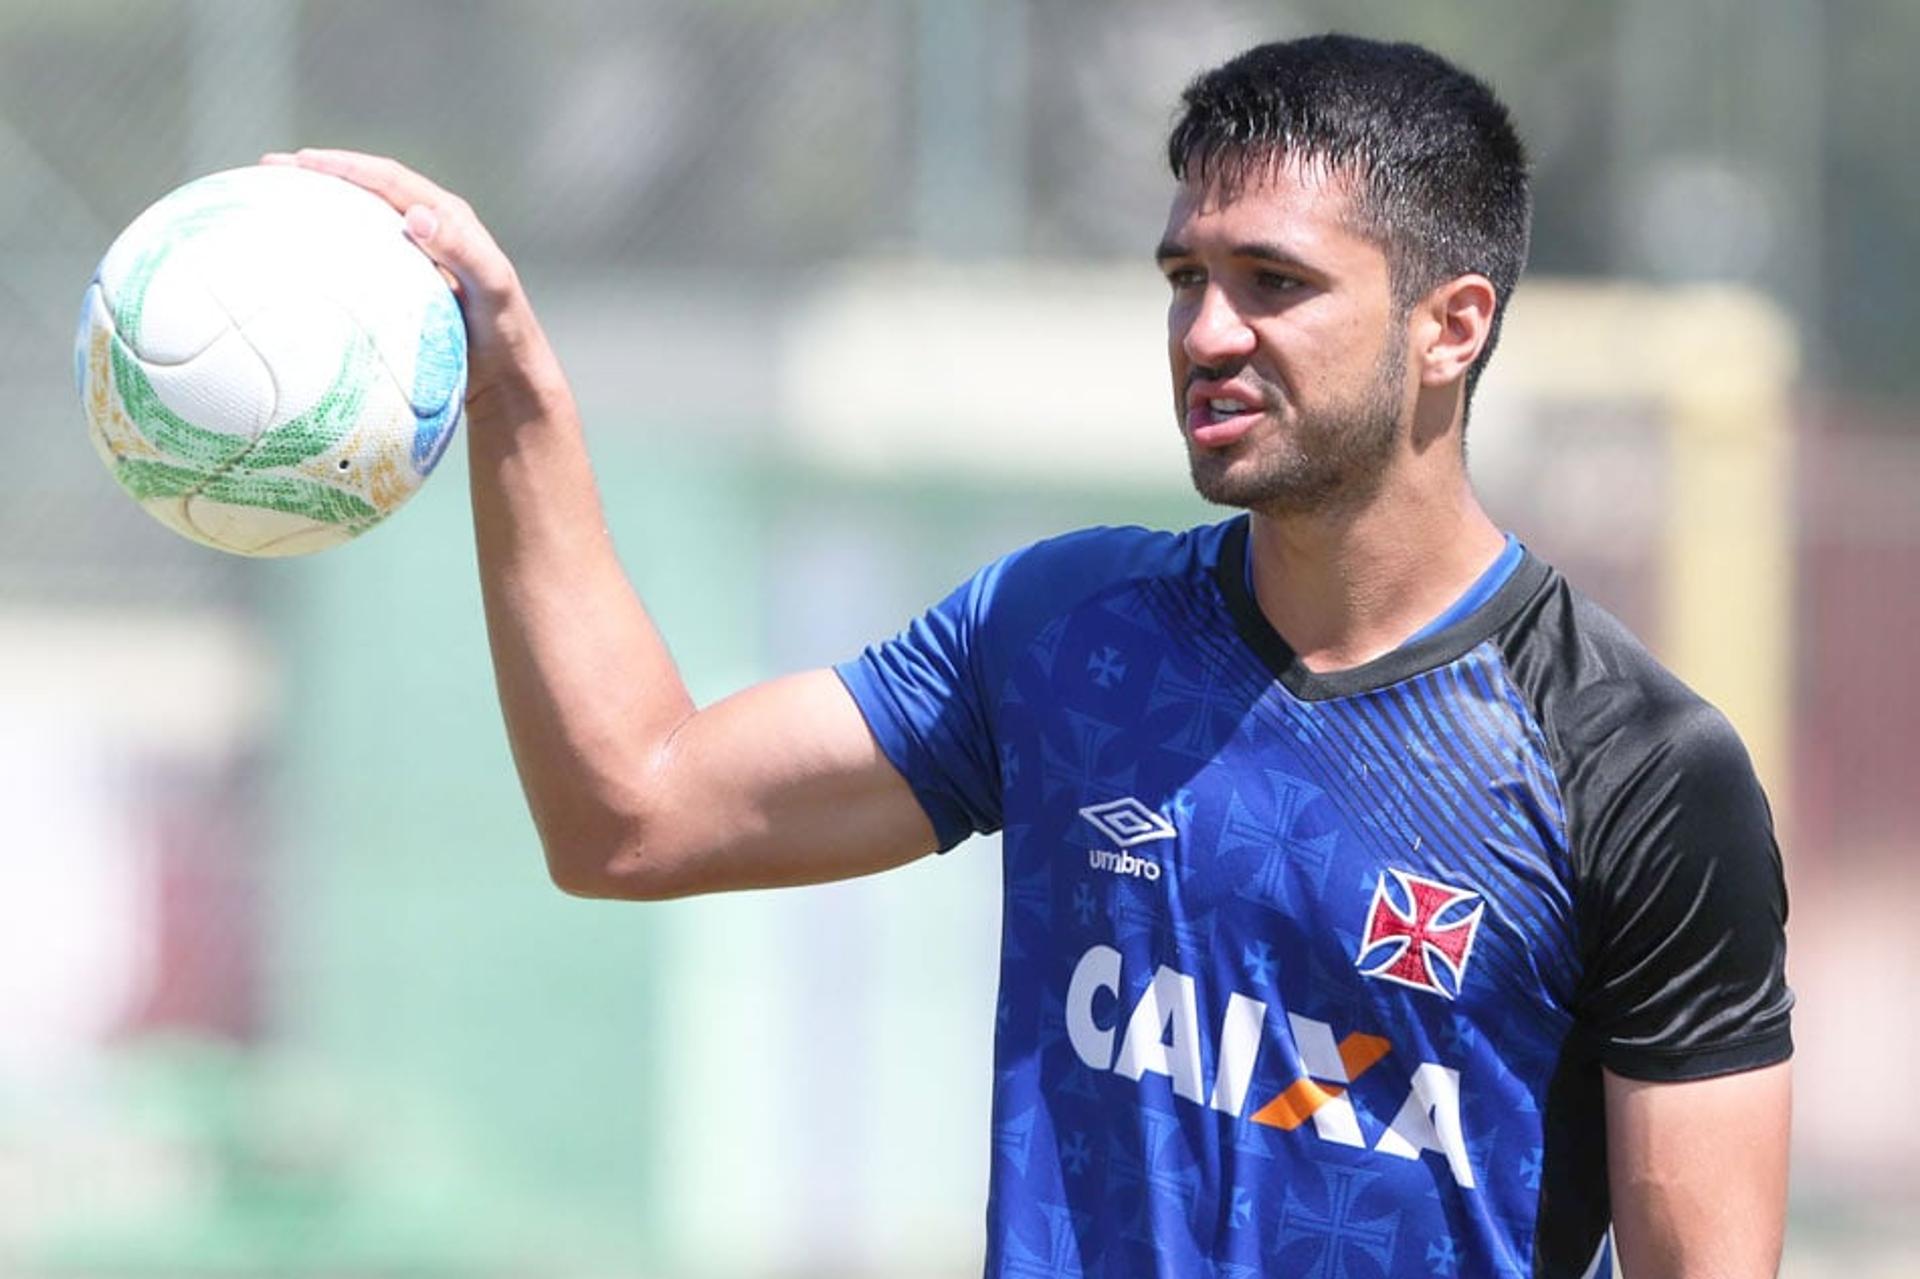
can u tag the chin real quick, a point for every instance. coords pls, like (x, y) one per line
(1221, 487)
(1271, 490)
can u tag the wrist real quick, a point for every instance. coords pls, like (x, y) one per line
(513, 375)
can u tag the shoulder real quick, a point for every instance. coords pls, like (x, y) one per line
(1024, 589)
(1595, 687)
(1652, 776)
(931, 693)
(1092, 559)
(1681, 901)
(989, 619)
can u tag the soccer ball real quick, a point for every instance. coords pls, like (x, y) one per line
(268, 365)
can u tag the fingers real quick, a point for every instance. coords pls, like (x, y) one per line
(440, 222)
(392, 181)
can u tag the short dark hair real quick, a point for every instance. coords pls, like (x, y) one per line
(1439, 175)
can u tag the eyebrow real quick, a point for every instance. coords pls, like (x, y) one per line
(1261, 250)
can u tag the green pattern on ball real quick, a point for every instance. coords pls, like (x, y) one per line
(148, 480)
(179, 439)
(294, 496)
(190, 445)
(289, 494)
(205, 463)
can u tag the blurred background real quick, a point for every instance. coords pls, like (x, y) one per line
(283, 987)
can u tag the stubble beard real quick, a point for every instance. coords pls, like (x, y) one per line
(1330, 458)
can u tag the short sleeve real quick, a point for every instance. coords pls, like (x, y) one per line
(921, 693)
(930, 693)
(1684, 904)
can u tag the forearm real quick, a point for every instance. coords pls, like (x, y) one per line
(587, 686)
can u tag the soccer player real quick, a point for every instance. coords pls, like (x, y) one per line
(1374, 904)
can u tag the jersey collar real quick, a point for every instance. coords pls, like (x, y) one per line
(1410, 659)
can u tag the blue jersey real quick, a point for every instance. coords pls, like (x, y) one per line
(1315, 974)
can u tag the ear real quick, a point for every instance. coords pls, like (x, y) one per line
(1451, 325)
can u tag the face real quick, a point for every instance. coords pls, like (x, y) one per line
(1288, 355)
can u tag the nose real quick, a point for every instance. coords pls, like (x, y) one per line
(1215, 333)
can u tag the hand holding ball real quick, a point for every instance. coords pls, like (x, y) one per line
(268, 364)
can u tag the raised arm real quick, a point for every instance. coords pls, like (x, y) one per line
(635, 792)
(1698, 1174)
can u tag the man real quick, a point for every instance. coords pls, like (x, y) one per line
(1374, 904)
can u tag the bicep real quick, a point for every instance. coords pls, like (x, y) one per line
(1698, 1173)
(780, 784)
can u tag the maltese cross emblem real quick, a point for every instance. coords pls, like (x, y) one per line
(1420, 933)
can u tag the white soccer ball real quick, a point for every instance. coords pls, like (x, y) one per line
(269, 366)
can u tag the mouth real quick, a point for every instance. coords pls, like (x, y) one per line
(1216, 419)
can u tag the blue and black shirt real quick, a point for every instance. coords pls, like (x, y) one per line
(1316, 973)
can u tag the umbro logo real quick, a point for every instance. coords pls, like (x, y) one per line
(1128, 823)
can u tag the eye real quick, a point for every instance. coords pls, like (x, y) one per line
(1278, 281)
(1185, 277)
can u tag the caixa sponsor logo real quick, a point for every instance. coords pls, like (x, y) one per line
(1128, 823)
(1160, 1035)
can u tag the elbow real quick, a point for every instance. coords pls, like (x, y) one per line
(576, 879)
(603, 868)
(620, 844)
(612, 882)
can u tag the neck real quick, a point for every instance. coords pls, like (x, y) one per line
(1343, 587)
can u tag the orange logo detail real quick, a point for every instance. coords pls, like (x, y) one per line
(1357, 1053)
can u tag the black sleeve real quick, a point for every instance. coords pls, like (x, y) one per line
(1680, 902)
